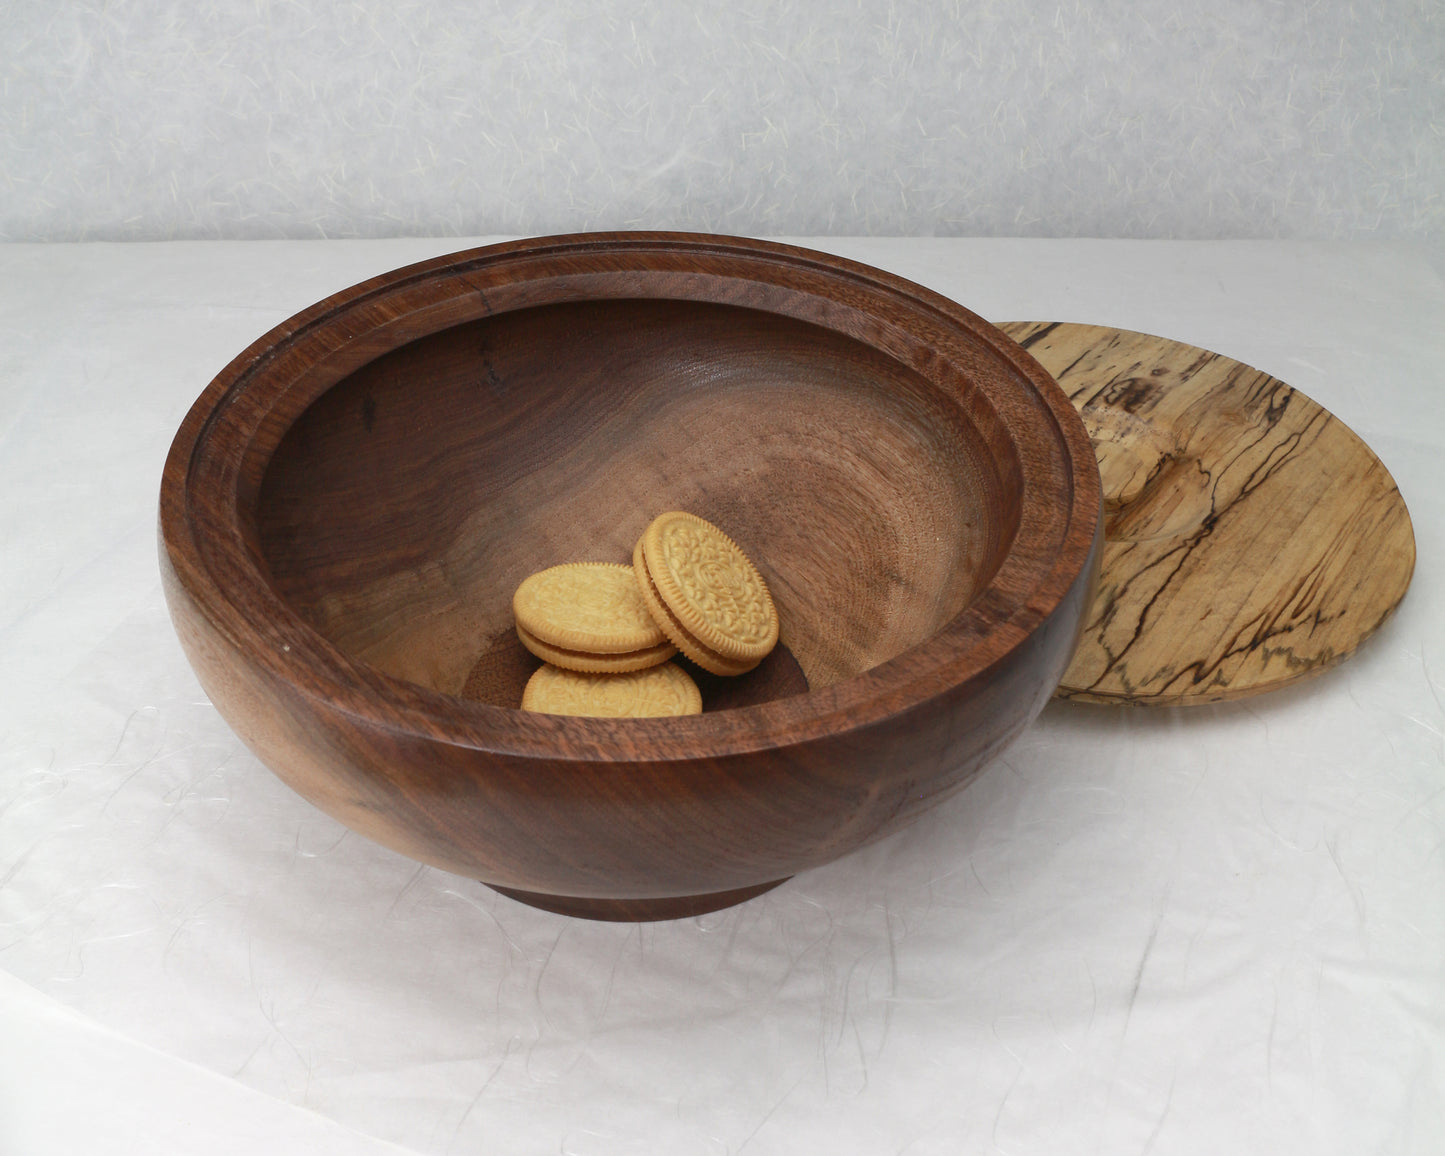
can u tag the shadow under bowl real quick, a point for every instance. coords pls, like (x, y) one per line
(347, 509)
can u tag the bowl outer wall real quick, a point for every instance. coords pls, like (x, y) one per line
(625, 807)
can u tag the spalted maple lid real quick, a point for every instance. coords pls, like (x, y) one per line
(1251, 538)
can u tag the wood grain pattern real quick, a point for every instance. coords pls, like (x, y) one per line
(347, 509)
(1251, 539)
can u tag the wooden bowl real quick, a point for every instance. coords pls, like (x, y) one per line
(348, 507)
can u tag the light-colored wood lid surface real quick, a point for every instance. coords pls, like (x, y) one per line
(1251, 538)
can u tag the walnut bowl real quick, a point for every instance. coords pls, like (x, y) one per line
(347, 509)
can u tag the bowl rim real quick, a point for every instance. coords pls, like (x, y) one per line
(207, 502)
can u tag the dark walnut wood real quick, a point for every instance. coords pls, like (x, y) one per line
(348, 507)
(1251, 538)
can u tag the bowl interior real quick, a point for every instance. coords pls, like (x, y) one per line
(401, 510)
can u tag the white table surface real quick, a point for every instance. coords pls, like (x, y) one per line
(1198, 930)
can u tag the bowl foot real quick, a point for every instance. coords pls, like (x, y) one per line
(637, 910)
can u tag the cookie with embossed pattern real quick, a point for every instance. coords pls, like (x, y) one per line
(705, 593)
(709, 660)
(657, 692)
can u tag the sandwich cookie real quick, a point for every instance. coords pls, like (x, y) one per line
(659, 691)
(589, 617)
(705, 593)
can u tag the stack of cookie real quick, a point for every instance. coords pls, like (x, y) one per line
(606, 631)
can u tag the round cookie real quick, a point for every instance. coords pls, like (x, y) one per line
(709, 660)
(582, 660)
(659, 691)
(709, 586)
(593, 607)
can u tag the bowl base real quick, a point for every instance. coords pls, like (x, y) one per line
(637, 910)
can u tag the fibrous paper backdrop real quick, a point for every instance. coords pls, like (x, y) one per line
(139, 119)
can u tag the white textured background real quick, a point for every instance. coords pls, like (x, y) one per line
(1207, 931)
(140, 119)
